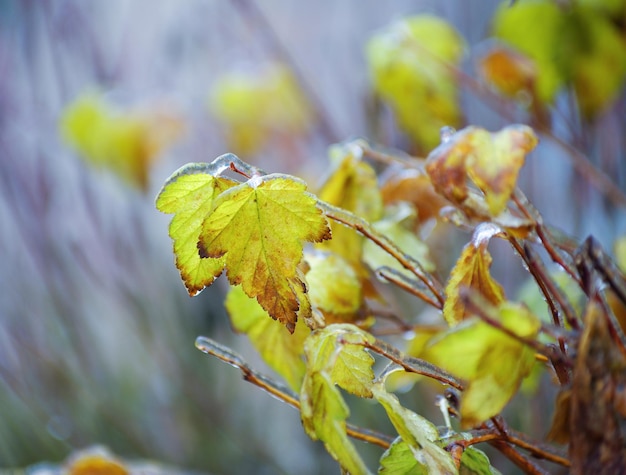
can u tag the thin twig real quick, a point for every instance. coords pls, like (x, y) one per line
(411, 364)
(517, 458)
(363, 227)
(406, 284)
(279, 391)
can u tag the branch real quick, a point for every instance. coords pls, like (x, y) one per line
(279, 391)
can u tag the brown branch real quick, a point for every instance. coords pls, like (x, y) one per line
(279, 391)
(407, 285)
(517, 458)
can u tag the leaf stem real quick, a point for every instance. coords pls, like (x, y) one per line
(279, 391)
(411, 364)
(363, 227)
(406, 284)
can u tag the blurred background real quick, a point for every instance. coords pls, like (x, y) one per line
(101, 101)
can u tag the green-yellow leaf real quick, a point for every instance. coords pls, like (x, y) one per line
(260, 227)
(492, 362)
(475, 462)
(322, 408)
(398, 459)
(282, 351)
(417, 432)
(189, 194)
(471, 271)
(334, 286)
(343, 345)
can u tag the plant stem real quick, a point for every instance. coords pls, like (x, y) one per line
(366, 229)
(279, 391)
(406, 284)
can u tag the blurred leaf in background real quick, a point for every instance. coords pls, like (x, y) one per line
(411, 64)
(124, 141)
(256, 106)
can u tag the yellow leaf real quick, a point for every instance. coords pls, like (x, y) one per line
(259, 227)
(353, 186)
(282, 351)
(189, 194)
(410, 65)
(510, 72)
(492, 363)
(471, 271)
(334, 286)
(491, 160)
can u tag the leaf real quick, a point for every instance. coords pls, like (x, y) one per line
(398, 459)
(343, 345)
(282, 351)
(334, 286)
(475, 462)
(417, 432)
(322, 408)
(513, 24)
(491, 160)
(411, 64)
(397, 226)
(353, 186)
(492, 362)
(124, 141)
(512, 73)
(256, 106)
(259, 227)
(189, 194)
(472, 271)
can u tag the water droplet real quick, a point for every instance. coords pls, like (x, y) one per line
(446, 133)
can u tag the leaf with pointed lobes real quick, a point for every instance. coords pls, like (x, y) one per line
(260, 227)
(189, 195)
(491, 160)
(418, 434)
(283, 352)
(492, 362)
(335, 357)
(471, 271)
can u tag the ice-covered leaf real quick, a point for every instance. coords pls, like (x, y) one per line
(331, 361)
(475, 462)
(334, 286)
(471, 271)
(353, 186)
(398, 459)
(259, 227)
(492, 363)
(189, 195)
(417, 432)
(491, 160)
(352, 363)
(282, 351)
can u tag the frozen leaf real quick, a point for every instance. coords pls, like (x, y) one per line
(398, 459)
(352, 364)
(491, 160)
(410, 64)
(471, 271)
(352, 186)
(334, 286)
(281, 350)
(323, 410)
(417, 432)
(259, 228)
(619, 250)
(189, 194)
(475, 462)
(492, 362)
(413, 186)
